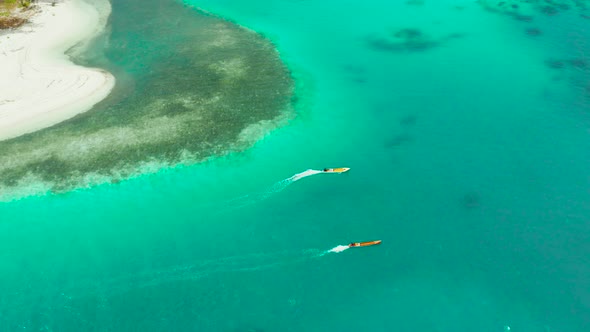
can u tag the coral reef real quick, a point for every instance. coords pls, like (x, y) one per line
(526, 9)
(188, 89)
(408, 40)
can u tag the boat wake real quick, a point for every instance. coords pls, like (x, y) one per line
(338, 249)
(276, 188)
(281, 185)
(195, 270)
(302, 175)
(335, 250)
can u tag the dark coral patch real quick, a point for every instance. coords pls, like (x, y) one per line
(534, 32)
(471, 200)
(398, 140)
(579, 63)
(409, 34)
(408, 120)
(549, 10)
(555, 64)
(520, 9)
(409, 40)
(415, 2)
(576, 63)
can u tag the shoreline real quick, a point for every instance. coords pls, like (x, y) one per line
(39, 85)
(238, 90)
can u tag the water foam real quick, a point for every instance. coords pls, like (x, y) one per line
(338, 249)
(195, 270)
(276, 188)
(305, 174)
(190, 271)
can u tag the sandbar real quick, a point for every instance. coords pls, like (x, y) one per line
(39, 85)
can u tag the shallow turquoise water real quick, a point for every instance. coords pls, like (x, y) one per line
(469, 160)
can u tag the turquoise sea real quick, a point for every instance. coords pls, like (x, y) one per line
(467, 134)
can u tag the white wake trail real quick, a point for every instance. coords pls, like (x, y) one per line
(194, 270)
(253, 198)
(302, 175)
(338, 249)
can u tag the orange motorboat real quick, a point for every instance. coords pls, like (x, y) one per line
(336, 170)
(364, 244)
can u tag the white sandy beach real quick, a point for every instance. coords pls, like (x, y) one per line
(39, 86)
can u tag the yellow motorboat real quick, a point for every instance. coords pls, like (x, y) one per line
(364, 244)
(336, 170)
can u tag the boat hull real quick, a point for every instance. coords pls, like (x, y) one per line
(365, 244)
(336, 170)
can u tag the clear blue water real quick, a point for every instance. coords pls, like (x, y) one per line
(468, 159)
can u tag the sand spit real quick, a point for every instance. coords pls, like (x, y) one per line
(39, 85)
